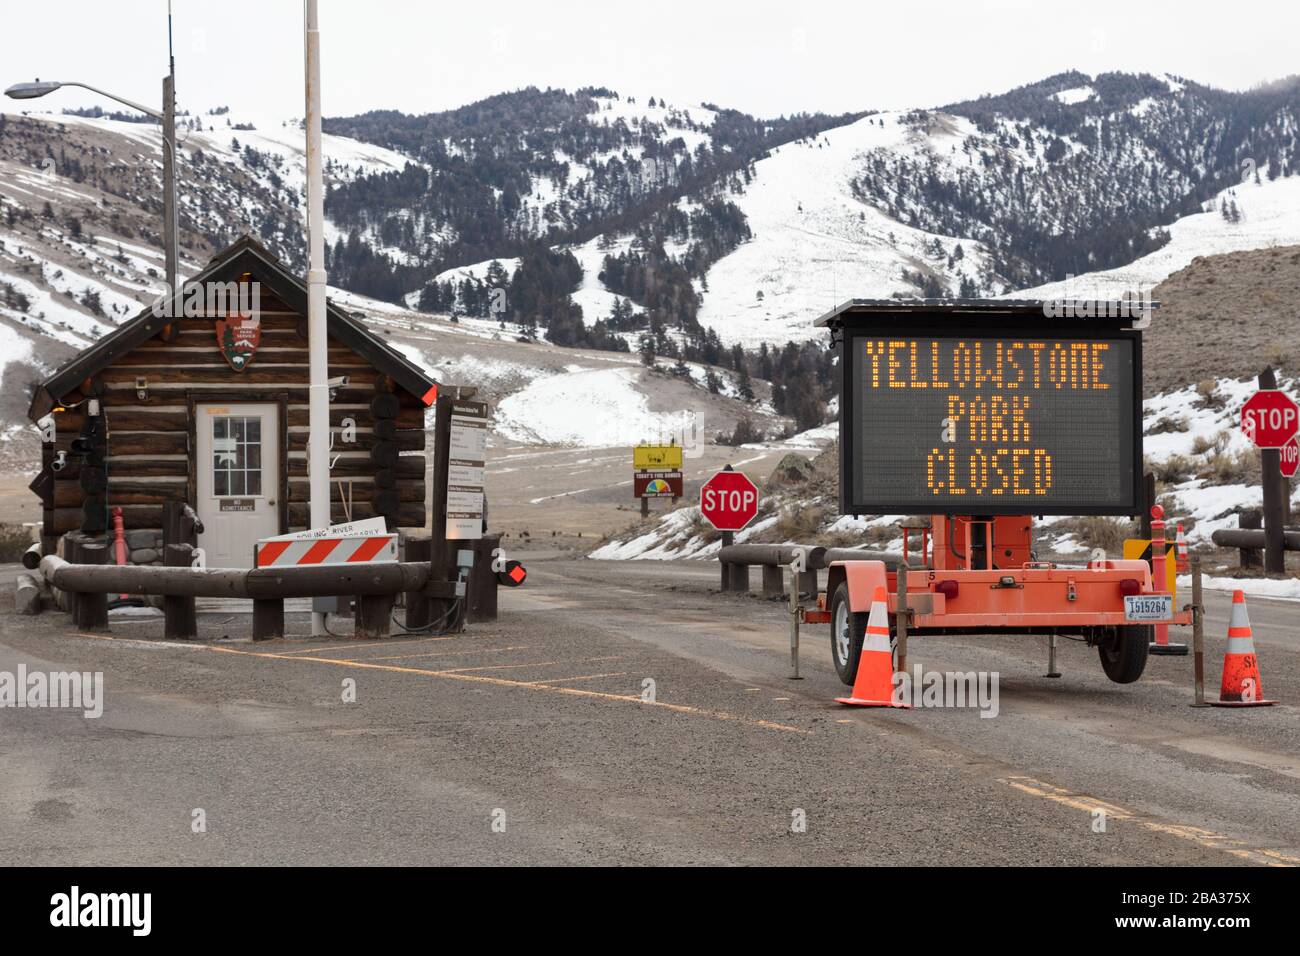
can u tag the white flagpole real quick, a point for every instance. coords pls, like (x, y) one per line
(317, 346)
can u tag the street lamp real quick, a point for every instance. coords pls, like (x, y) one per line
(167, 117)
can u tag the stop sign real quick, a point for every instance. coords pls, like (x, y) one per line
(1289, 457)
(729, 500)
(1270, 418)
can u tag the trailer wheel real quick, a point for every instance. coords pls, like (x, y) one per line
(847, 631)
(1123, 651)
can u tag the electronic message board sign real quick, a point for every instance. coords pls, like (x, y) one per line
(953, 422)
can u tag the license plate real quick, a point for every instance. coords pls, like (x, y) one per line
(1149, 607)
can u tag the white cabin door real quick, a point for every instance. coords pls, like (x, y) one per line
(238, 479)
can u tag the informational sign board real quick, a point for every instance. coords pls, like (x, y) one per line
(959, 422)
(349, 529)
(331, 549)
(657, 457)
(657, 484)
(466, 464)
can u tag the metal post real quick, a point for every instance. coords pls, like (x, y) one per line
(1274, 488)
(793, 606)
(901, 617)
(727, 539)
(1051, 657)
(171, 238)
(806, 582)
(318, 418)
(1198, 635)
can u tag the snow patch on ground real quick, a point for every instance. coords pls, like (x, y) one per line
(1280, 589)
(583, 407)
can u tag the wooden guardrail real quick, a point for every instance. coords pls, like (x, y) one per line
(1251, 540)
(91, 579)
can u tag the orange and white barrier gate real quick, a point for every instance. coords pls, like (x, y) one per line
(340, 549)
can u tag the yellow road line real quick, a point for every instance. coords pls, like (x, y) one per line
(561, 680)
(528, 685)
(472, 650)
(375, 643)
(1198, 835)
(502, 667)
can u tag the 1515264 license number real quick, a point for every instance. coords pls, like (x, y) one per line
(1149, 607)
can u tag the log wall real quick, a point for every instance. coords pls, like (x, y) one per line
(151, 444)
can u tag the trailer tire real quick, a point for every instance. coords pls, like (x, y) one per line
(1123, 651)
(848, 628)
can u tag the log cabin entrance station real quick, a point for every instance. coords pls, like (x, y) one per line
(209, 408)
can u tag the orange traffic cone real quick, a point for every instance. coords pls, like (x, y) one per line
(1241, 686)
(874, 685)
(1182, 562)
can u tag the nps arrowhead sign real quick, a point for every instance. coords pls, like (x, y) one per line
(729, 500)
(1270, 418)
(238, 337)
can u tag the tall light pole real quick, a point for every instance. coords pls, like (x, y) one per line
(318, 410)
(167, 118)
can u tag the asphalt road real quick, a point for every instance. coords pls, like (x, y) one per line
(529, 741)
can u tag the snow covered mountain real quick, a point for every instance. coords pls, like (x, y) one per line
(683, 232)
(1068, 176)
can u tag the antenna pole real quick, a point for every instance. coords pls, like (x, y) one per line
(171, 237)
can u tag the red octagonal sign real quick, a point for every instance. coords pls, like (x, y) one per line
(1270, 418)
(1289, 458)
(729, 500)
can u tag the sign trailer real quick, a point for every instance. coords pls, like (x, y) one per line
(982, 414)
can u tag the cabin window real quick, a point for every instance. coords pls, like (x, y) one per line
(236, 456)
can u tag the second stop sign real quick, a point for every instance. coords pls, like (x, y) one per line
(729, 500)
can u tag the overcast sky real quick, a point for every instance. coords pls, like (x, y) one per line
(760, 57)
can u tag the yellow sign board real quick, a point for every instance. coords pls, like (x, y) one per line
(1140, 548)
(661, 457)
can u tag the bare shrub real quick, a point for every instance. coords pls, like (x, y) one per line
(1216, 443)
(1211, 398)
(1241, 468)
(1173, 470)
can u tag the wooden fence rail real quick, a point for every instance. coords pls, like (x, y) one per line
(374, 585)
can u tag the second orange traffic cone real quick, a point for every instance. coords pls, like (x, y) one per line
(1241, 686)
(874, 684)
(1182, 558)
